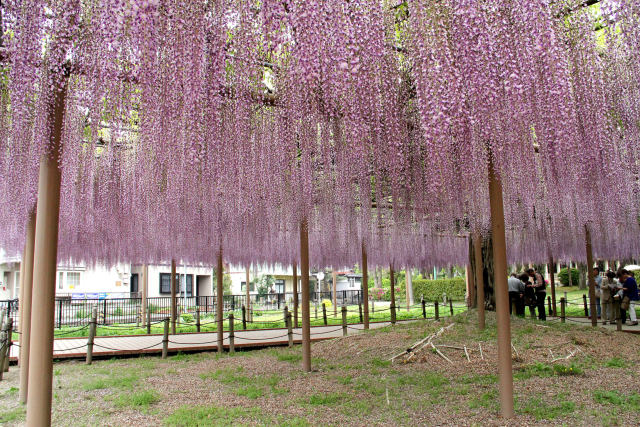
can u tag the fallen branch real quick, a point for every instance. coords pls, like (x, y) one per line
(481, 355)
(466, 353)
(419, 345)
(514, 349)
(440, 354)
(573, 353)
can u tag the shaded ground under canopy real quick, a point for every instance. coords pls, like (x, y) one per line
(355, 384)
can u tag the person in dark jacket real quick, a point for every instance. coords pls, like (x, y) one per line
(630, 290)
(540, 289)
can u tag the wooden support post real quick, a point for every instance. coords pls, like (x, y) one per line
(505, 373)
(92, 334)
(590, 275)
(324, 314)
(145, 294)
(335, 296)
(306, 320)
(219, 302)
(451, 306)
(148, 320)
(232, 336)
(584, 303)
(424, 307)
(344, 321)
(295, 295)
(244, 317)
(408, 280)
(289, 329)
(373, 306)
(198, 318)
(360, 311)
(616, 303)
(26, 290)
(479, 274)
(165, 338)
(552, 279)
(549, 304)
(174, 303)
(247, 303)
(365, 287)
(393, 295)
(9, 344)
(45, 263)
(563, 303)
(4, 341)
(437, 309)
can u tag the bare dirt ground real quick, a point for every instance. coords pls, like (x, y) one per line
(563, 375)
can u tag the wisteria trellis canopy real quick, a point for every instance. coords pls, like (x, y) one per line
(191, 125)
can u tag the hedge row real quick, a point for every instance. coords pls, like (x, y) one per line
(433, 289)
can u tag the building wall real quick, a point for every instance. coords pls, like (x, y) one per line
(156, 270)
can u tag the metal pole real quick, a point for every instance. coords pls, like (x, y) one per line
(592, 280)
(25, 305)
(295, 294)
(92, 334)
(392, 276)
(219, 302)
(174, 307)
(44, 267)
(365, 286)
(479, 273)
(505, 373)
(306, 321)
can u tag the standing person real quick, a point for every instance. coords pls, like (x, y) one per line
(630, 291)
(516, 294)
(608, 288)
(598, 279)
(529, 299)
(540, 289)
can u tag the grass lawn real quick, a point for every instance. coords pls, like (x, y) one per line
(353, 383)
(266, 319)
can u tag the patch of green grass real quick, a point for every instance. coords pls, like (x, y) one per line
(535, 370)
(289, 357)
(15, 414)
(478, 379)
(358, 407)
(252, 387)
(188, 416)
(380, 363)
(371, 385)
(488, 400)
(545, 411)
(616, 362)
(326, 399)
(252, 391)
(125, 382)
(630, 402)
(564, 370)
(283, 421)
(11, 391)
(344, 380)
(228, 376)
(138, 399)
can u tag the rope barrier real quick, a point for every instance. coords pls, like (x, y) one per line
(126, 349)
(72, 348)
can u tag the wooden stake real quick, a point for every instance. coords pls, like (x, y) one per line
(219, 302)
(165, 338)
(306, 320)
(552, 279)
(92, 334)
(592, 280)
(232, 342)
(393, 295)
(174, 303)
(344, 321)
(365, 286)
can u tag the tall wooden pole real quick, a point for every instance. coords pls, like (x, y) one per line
(26, 292)
(408, 280)
(477, 254)
(219, 302)
(306, 320)
(295, 295)
(392, 292)
(365, 288)
(145, 294)
(501, 293)
(248, 303)
(552, 279)
(44, 268)
(592, 280)
(334, 275)
(174, 304)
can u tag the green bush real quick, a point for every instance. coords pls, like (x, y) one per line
(433, 289)
(187, 317)
(563, 276)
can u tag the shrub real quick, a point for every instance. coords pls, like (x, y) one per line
(327, 302)
(433, 289)
(563, 276)
(187, 317)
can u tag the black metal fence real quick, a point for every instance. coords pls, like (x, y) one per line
(77, 312)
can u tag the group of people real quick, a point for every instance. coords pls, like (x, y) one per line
(528, 289)
(614, 287)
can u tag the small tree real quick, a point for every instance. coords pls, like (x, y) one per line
(563, 276)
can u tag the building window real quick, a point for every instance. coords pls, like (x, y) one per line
(243, 286)
(73, 280)
(165, 283)
(61, 280)
(279, 286)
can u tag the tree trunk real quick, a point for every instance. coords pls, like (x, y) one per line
(487, 259)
